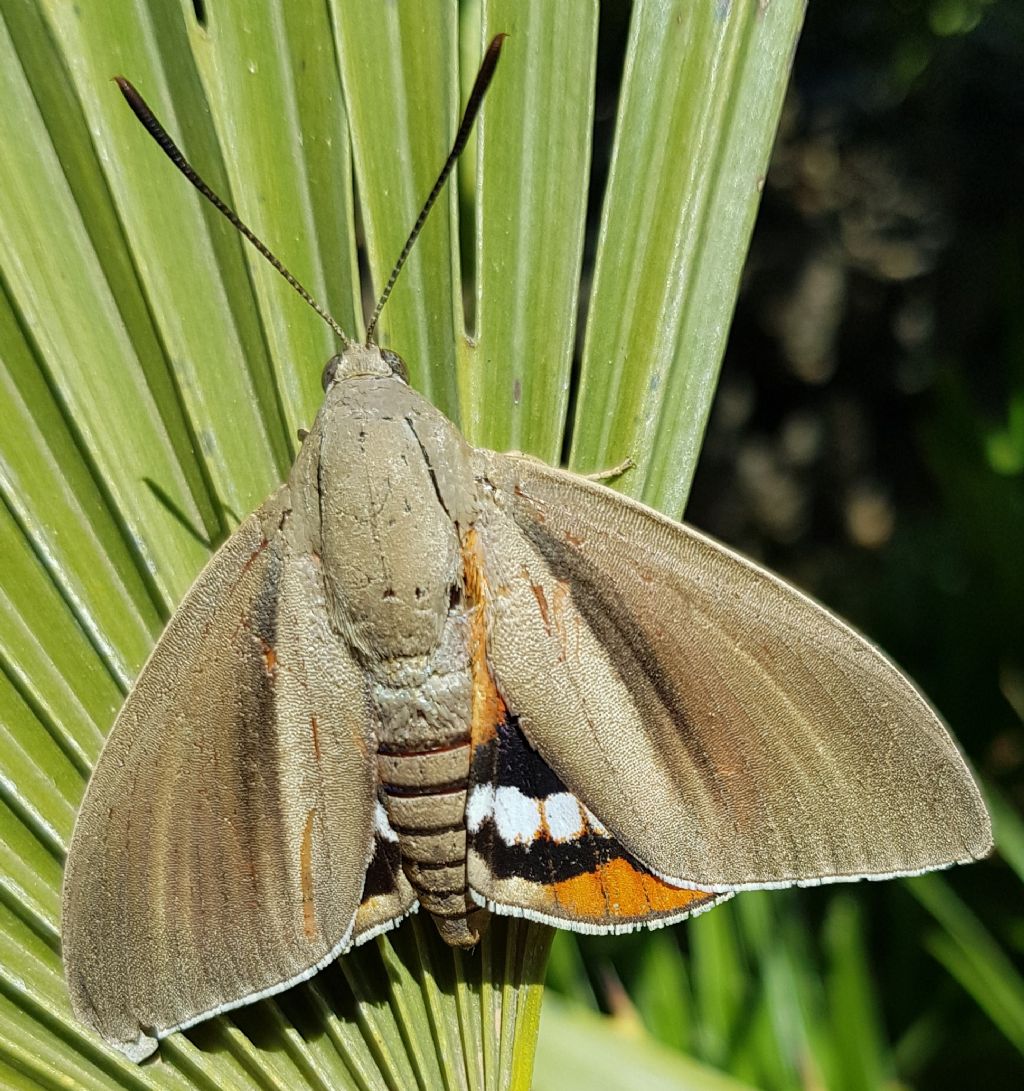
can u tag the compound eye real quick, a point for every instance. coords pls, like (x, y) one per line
(396, 363)
(330, 370)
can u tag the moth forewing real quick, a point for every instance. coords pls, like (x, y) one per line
(221, 848)
(728, 730)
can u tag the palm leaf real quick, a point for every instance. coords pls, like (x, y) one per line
(155, 373)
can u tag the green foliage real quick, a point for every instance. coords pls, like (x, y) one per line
(155, 372)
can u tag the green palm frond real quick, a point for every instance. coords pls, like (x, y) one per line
(155, 373)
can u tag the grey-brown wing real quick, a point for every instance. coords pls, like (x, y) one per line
(221, 848)
(727, 729)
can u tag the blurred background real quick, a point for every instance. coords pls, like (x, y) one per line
(867, 442)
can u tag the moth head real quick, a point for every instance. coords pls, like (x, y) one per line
(363, 361)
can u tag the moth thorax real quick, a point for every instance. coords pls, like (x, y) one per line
(426, 702)
(389, 548)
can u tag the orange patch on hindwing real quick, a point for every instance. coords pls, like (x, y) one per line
(616, 890)
(488, 707)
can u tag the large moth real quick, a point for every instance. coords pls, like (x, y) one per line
(424, 675)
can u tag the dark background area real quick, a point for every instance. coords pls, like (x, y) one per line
(867, 438)
(868, 433)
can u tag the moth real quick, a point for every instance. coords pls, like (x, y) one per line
(426, 675)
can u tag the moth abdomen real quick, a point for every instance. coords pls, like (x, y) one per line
(426, 811)
(424, 794)
(424, 755)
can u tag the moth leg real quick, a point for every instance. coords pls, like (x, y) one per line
(598, 475)
(615, 471)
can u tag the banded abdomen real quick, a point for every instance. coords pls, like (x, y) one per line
(423, 763)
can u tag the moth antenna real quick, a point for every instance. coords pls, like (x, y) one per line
(149, 120)
(476, 96)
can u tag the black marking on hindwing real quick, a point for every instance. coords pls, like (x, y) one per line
(383, 869)
(508, 760)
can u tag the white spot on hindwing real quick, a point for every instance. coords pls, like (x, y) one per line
(521, 819)
(597, 827)
(516, 817)
(382, 825)
(563, 817)
(479, 807)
